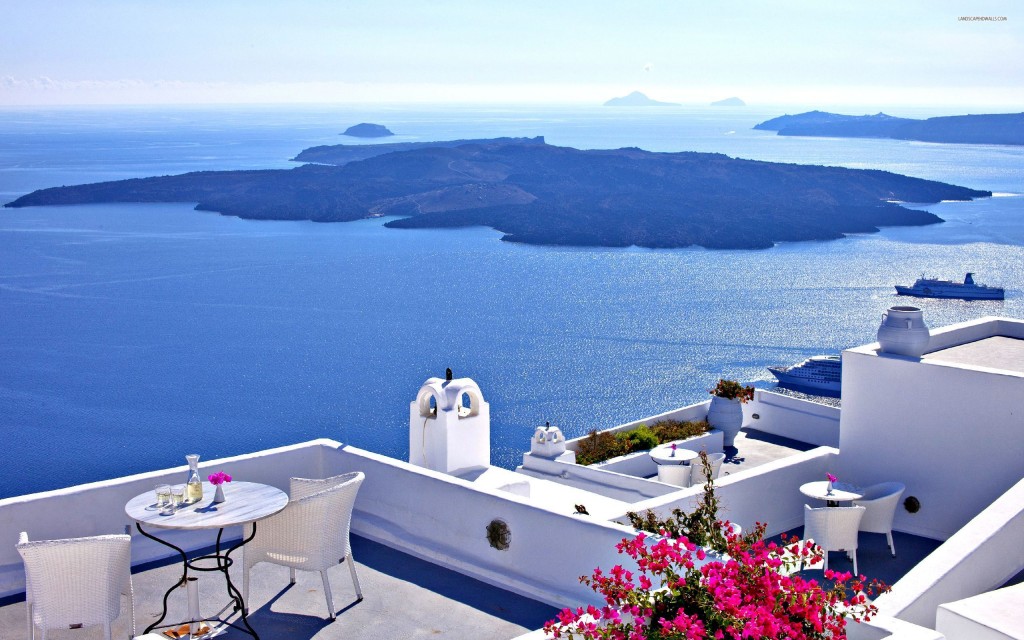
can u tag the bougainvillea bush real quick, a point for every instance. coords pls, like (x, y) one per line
(749, 591)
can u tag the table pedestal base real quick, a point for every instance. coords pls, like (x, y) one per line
(221, 563)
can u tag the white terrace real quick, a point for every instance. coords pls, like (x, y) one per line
(949, 425)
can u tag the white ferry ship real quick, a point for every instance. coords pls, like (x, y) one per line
(817, 372)
(966, 290)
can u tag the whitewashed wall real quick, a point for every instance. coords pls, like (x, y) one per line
(983, 555)
(953, 434)
(793, 418)
(428, 514)
(443, 519)
(768, 493)
(98, 508)
(697, 411)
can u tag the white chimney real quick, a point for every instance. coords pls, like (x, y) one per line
(444, 433)
(547, 442)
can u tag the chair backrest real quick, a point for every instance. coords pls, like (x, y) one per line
(697, 478)
(881, 501)
(302, 487)
(674, 474)
(326, 515)
(76, 580)
(833, 528)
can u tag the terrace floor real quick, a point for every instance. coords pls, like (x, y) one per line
(873, 557)
(404, 597)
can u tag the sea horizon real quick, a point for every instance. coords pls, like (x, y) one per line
(138, 333)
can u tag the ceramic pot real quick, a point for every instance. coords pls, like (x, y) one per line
(218, 495)
(903, 332)
(726, 415)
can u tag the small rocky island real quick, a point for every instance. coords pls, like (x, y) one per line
(637, 99)
(729, 102)
(999, 128)
(340, 154)
(368, 130)
(547, 195)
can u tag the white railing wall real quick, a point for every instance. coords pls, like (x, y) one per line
(768, 493)
(697, 411)
(98, 508)
(980, 557)
(443, 519)
(437, 517)
(793, 418)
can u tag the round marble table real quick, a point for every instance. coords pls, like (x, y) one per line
(663, 454)
(841, 491)
(245, 503)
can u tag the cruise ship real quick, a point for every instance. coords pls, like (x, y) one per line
(823, 373)
(966, 290)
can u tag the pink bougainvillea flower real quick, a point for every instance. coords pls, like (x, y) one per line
(831, 478)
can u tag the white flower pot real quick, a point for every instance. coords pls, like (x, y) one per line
(726, 415)
(903, 332)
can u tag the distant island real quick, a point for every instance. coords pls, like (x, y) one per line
(368, 130)
(1000, 128)
(340, 154)
(729, 102)
(542, 194)
(637, 99)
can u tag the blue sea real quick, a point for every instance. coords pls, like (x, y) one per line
(132, 334)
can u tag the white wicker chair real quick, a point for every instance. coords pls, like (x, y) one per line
(674, 474)
(881, 500)
(834, 529)
(311, 533)
(77, 582)
(697, 478)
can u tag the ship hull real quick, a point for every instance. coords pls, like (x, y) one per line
(975, 294)
(803, 383)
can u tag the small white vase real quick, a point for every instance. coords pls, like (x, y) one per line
(903, 332)
(218, 495)
(727, 416)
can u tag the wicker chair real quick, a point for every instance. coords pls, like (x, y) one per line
(311, 533)
(77, 582)
(674, 474)
(881, 500)
(834, 529)
(697, 469)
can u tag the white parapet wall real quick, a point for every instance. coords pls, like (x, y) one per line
(444, 519)
(793, 418)
(952, 432)
(996, 615)
(768, 493)
(981, 556)
(691, 412)
(432, 515)
(97, 508)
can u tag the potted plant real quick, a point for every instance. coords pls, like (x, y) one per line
(726, 411)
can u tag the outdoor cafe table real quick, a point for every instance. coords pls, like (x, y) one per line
(841, 492)
(663, 454)
(245, 503)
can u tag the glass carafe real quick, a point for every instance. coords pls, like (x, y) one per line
(194, 486)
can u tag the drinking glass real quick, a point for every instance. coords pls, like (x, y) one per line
(177, 495)
(163, 494)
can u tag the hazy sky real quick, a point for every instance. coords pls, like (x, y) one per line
(547, 51)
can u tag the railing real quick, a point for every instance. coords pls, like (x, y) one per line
(981, 556)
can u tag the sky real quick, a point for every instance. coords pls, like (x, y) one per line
(871, 53)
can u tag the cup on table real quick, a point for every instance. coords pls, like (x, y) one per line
(163, 494)
(177, 495)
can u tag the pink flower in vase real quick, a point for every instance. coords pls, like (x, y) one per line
(673, 449)
(218, 478)
(831, 478)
